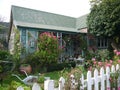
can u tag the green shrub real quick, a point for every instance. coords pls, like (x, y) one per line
(101, 54)
(3, 54)
(61, 66)
(1, 69)
(33, 60)
(48, 48)
(5, 61)
(41, 79)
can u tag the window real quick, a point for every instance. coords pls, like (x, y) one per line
(102, 42)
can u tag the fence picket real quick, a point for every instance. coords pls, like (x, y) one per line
(89, 81)
(36, 87)
(49, 85)
(61, 83)
(102, 79)
(117, 67)
(95, 79)
(113, 69)
(108, 77)
(82, 82)
(20, 88)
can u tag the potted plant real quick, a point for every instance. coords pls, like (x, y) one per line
(26, 67)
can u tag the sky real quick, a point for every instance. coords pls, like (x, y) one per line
(73, 8)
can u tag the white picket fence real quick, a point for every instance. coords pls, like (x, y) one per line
(97, 80)
(101, 77)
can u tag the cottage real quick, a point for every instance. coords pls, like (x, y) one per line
(30, 23)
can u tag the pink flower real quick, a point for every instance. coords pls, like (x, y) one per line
(111, 61)
(100, 63)
(108, 64)
(93, 59)
(118, 53)
(108, 88)
(119, 61)
(94, 62)
(115, 51)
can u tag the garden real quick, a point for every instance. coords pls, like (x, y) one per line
(44, 65)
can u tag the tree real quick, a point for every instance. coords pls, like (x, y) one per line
(104, 20)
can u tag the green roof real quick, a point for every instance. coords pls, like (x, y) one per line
(81, 22)
(40, 19)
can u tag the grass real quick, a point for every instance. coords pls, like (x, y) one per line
(10, 82)
(53, 75)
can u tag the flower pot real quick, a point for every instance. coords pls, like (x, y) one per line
(26, 67)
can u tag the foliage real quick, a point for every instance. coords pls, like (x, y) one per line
(41, 79)
(14, 85)
(48, 48)
(3, 44)
(100, 55)
(116, 55)
(104, 19)
(5, 61)
(1, 69)
(3, 31)
(61, 66)
(4, 54)
(17, 48)
(34, 60)
(114, 79)
(103, 54)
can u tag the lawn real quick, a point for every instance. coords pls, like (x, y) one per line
(11, 83)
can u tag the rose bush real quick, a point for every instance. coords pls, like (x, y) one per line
(48, 48)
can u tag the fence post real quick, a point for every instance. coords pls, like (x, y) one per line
(49, 85)
(102, 78)
(95, 79)
(61, 83)
(89, 81)
(108, 77)
(20, 88)
(36, 87)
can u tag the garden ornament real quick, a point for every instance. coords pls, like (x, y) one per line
(29, 80)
